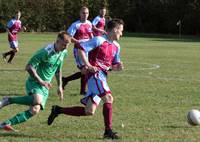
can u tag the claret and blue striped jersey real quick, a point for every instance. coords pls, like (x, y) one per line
(102, 52)
(81, 31)
(14, 27)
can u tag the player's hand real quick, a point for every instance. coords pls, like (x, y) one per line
(104, 32)
(92, 69)
(118, 67)
(46, 84)
(24, 28)
(10, 34)
(60, 92)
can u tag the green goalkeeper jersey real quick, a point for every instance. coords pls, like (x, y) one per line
(46, 62)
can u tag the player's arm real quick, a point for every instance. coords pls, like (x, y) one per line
(32, 65)
(32, 71)
(72, 31)
(23, 28)
(7, 29)
(83, 57)
(74, 40)
(58, 76)
(98, 29)
(84, 48)
(8, 26)
(117, 64)
(91, 34)
(94, 26)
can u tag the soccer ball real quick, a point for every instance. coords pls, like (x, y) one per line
(193, 117)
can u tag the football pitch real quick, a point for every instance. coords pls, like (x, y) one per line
(160, 83)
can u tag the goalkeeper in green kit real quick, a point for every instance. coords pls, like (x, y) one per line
(42, 67)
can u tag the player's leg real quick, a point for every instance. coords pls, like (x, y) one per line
(4, 55)
(12, 55)
(23, 100)
(18, 118)
(90, 102)
(107, 98)
(14, 46)
(30, 99)
(83, 80)
(67, 79)
(73, 111)
(107, 114)
(107, 111)
(15, 49)
(56, 110)
(23, 116)
(75, 76)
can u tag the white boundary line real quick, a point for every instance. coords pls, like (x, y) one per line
(152, 66)
(158, 78)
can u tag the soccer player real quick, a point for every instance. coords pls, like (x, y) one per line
(105, 54)
(80, 31)
(13, 27)
(44, 64)
(98, 23)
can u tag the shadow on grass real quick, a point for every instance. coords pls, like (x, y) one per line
(10, 70)
(16, 135)
(76, 94)
(11, 94)
(176, 126)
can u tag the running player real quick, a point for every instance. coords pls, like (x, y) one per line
(105, 54)
(98, 23)
(46, 63)
(80, 31)
(13, 27)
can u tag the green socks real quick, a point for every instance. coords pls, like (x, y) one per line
(23, 116)
(23, 100)
(19, 118)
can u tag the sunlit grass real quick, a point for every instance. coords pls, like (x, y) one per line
(152, 95)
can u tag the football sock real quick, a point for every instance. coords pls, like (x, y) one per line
(107, 114)
(19, 118)
(74, 76)
(74, 111)
(12, 55)
(8, 53)
(23, 100)
(83, 83)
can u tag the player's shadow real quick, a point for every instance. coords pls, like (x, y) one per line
(176, 126)
(75, 94)
(12, 70)
(10, 94)
(16, 135)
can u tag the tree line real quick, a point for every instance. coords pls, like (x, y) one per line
(149, 16)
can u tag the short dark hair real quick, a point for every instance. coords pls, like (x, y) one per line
(17, 11)
(113, 23)
(83, 8)
(61, 35)
(103, 7)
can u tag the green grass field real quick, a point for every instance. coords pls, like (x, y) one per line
(160, 83)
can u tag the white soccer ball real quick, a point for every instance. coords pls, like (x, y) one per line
(193, 117)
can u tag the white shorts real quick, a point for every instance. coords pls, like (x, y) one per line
(97, 88)
(13, 44)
